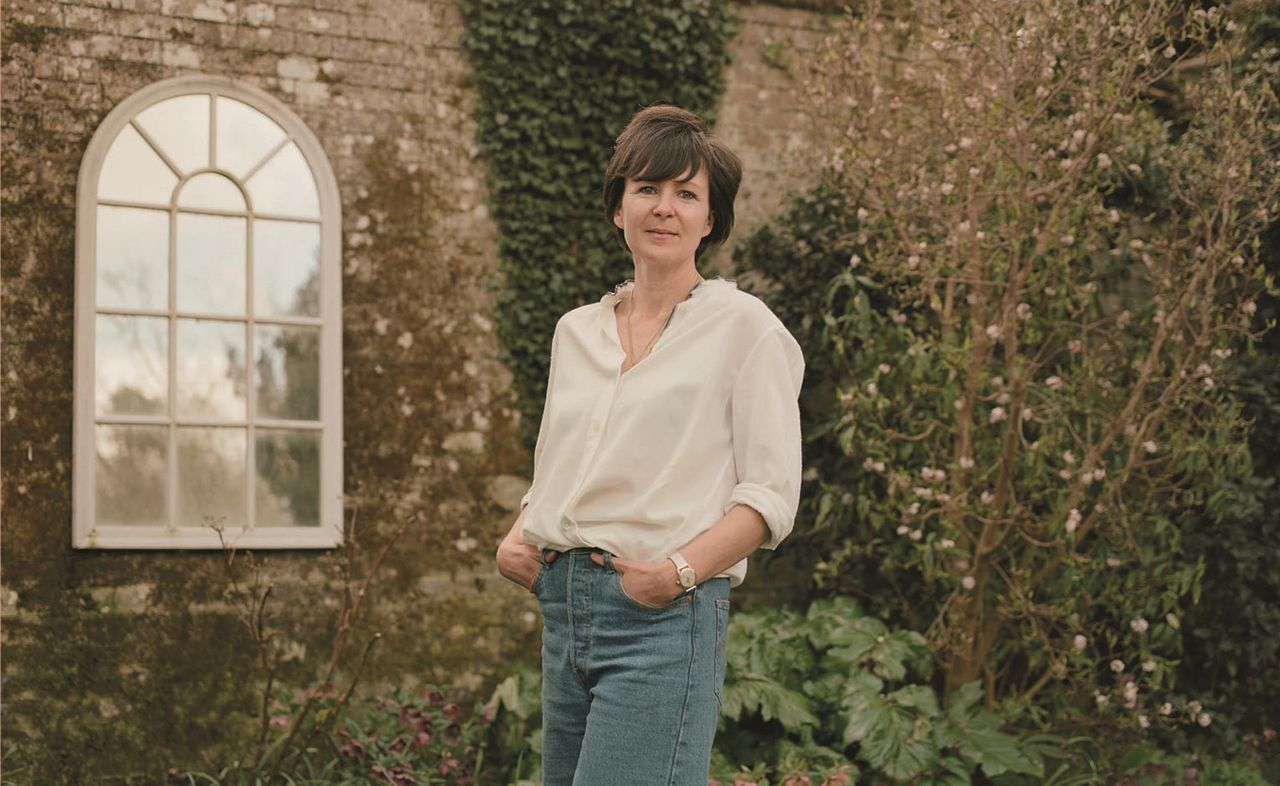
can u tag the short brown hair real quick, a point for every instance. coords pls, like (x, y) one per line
(663, 142)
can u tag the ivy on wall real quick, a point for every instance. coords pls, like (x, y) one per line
(558, 80)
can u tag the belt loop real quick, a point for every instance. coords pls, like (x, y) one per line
(608, 561)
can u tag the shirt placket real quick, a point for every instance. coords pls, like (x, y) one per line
(596, 427)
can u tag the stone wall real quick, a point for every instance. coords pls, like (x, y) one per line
(118, 665)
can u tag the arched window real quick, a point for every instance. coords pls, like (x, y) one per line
(208, 369)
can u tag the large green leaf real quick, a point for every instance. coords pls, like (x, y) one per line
(757, 694)
(975, 733)
(893, 732)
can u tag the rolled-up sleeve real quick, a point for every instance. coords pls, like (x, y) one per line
(766, 432)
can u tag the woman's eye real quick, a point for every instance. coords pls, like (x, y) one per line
(646, 190)
(688, 195)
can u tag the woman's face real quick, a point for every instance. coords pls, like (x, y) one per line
(664, 221)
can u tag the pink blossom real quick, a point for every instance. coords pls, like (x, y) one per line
(1117, 665)
(997, 415)
(1079, 642)
(968, 582)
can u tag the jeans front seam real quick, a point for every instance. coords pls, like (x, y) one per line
(688, 688)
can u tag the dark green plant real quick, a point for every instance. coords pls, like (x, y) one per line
(557, 83)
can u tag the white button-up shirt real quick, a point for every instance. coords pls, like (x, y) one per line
(640, 463)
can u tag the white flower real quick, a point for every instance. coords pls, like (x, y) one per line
(1148, 666)
(1065, 474)
(1166, 709)
(1073, 520)
(987, 497)
(1139, 625)
(1250, 308)
(946, 188)
(883, 368)
(968, 582)
(997, 381)
(1100, 698)
(1203, 719)
(899, 318)
(1134, 168)
(998, 414)
(1193, 707)
(1003, 398)
(855, 260)
(913, 508)
(965, 142)
(810, 474)
(862, 214)
(872, 389)
(1144, 721)
(1067, 239)
(903, 529)
(1113, 216)
(947, 543)
(1207, 382)
(1150, 446)
(1050, 291)
(1170, 52)
(1023, 310)
(915, 534)
(1069, 457)
(974, 171)
(964, 226)
(1104, 160)
(1131, 692)
(1113, 562)
(1054, 383)
(1074, 346)
(924, 492)
(966, 462)
(1079, 642)
(1117, 665)
(846, 498)
(913, 262)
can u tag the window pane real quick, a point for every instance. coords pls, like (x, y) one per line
(211, 264)
(287, 372)
(285, 186)
(211, 191)
(132, 258)
(211, 477)
(211, 369)
(131, 361)
(180, 126)
(287, 489)
(286, 268)
(244, 136)
(132, 172)
(130, 475)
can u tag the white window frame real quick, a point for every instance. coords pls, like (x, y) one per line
(86, 532)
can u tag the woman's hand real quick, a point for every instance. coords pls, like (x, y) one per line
(648, 583)
(520, 562)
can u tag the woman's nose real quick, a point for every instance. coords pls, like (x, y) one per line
(664, 205)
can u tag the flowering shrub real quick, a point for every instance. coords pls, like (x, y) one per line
(1027, 290)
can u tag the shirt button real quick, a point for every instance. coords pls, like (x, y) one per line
(566, 523)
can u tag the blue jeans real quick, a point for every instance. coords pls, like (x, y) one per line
(630, 694)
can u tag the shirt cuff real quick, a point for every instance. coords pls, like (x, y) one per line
(777, 515)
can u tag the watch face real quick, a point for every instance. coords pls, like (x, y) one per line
(687, 578)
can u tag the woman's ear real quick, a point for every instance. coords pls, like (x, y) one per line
(711, 222)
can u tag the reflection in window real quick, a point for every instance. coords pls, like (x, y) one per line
(133, 258)
(288, 487)
(210, 264)
(207, 337)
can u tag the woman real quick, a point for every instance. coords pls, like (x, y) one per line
(669, 451)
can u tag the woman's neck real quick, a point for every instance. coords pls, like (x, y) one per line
(658, 291)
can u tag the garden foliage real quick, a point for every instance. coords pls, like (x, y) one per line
(1020, 294)
(557, 82)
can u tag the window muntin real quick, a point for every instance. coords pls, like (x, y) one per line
(215, 360)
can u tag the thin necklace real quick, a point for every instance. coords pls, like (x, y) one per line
(631, 341)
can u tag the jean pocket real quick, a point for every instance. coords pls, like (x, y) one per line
(537, 579)
(617, 577)
(722, 644)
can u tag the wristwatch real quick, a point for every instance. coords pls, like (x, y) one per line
(684, 574)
